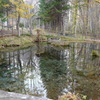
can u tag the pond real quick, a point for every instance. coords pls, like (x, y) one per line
(48, 71)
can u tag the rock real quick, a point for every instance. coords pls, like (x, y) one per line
(16, 96)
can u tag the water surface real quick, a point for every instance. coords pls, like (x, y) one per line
(44, 70)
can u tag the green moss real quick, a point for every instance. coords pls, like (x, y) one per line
(62, 41)
(16, 48)
(9, 43)
(52, 36)
(95, 54)
(25, 34)
(55, 44)
(13, 42)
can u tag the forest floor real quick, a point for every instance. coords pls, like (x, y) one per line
(10, 41)
(7, 32)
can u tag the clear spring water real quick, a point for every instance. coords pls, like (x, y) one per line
(45, 70)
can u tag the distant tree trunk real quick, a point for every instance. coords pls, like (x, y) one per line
(56, 24)
(2, 26)
(12, 26)
(86, 19)
(38, 35)
(22, 29)
(7, 20)
(17, 25)
(75, 11)
(30, 26)
(30, 19)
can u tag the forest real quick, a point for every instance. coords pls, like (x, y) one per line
(50, 49)
(57, 16)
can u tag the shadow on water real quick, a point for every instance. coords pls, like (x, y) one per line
(44, 70)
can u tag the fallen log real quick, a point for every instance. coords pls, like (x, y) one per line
(11, 45)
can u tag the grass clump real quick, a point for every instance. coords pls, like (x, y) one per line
(14, 42)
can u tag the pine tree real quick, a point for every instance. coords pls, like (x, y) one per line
(51, 11)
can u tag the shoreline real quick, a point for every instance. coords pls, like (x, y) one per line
(24, 41)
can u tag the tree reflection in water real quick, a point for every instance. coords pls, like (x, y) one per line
(44, 70)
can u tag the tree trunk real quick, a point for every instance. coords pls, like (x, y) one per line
(86, 21)
(7, 20)
(75, 11)
(2, 26)
(30, 26)
(17, 25)
(12, 26)
(22, 30)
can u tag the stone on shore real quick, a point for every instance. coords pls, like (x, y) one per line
(16, 96)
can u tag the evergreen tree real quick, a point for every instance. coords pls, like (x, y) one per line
(51, 11)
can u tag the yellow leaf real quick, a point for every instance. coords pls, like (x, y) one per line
(19, 10)
(7, 5)
(12, 15)
(22, 9)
